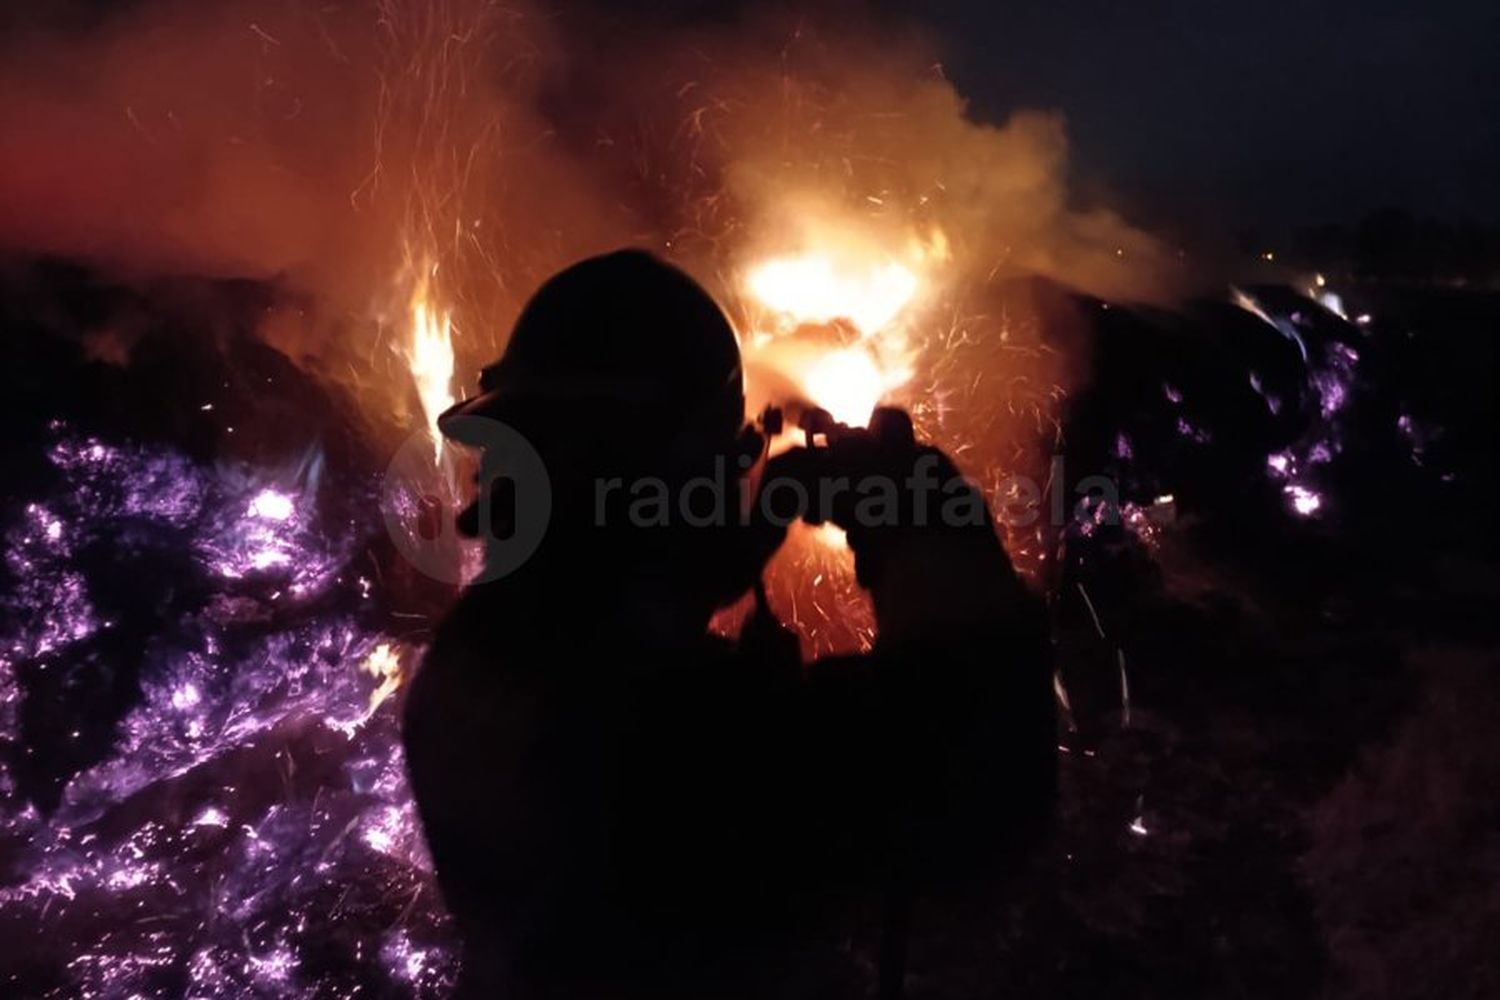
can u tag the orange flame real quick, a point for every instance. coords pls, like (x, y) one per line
(384, 664)
(429, 355)
(835, 322)
(864, 299)
(814, 289)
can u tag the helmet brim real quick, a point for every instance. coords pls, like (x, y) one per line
(462, 422)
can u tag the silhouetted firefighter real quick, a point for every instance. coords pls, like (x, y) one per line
(620, 804)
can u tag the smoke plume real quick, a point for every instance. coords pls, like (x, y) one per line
(333, 147)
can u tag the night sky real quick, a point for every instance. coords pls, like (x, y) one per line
(1262, 115)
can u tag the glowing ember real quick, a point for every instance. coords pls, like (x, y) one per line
(271, 505)
(1305, 502)
(384, 664)
(832, 536)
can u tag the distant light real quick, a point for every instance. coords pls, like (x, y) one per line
(1268, 256)
(1320, 281)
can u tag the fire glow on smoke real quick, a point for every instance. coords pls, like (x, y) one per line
(821, 178)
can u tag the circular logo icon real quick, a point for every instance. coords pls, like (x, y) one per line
(465, 530)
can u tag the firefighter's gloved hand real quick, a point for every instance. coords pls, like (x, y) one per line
(923, 540)
(754, 538)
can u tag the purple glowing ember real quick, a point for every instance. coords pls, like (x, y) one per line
(248, 830)
(1304, 501)
(1332, 374)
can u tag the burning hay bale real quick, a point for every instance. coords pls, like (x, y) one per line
(192, 727)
